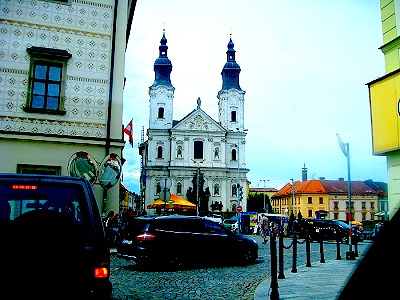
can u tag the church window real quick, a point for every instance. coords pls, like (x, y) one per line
(179, 151)
(159, 152)
(234, 190)
(216, 189)
(233, 116)
(216, 152)
(198, 150)
(233, 154)
(179, 188)
(234, 207)
(161, 112)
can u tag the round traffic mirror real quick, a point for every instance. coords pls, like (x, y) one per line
(81, 164)
(110, 171)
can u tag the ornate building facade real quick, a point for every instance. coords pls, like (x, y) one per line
(203, 159)
(62, 79)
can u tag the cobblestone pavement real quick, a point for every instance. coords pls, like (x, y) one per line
(228, 282)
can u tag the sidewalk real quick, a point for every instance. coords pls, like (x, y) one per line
(322, 281)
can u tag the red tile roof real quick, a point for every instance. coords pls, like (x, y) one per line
(325, 187)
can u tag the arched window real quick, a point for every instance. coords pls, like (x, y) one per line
(159, 152)
(179, 151)
(216, 152)
(161, 112)
(158, 188)
(216, 189)
(233, 154)
(234, 207)
(233, 116)
(234, 190)
(179, 188)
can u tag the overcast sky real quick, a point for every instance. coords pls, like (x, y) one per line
(305, 65)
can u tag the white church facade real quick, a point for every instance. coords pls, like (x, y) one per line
(204, 159)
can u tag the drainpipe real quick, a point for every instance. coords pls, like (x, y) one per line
(110, 98)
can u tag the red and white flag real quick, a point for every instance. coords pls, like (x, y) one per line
(129, 131)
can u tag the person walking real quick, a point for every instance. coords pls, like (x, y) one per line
(264, 228)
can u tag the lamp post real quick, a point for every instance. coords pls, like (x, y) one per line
(292, 184)
(238, 173)
(264, 207)
(346, 151)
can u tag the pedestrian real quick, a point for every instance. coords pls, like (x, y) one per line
(113, 225)
(264, 228)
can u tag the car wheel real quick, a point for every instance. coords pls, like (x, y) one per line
(249, 256)
(176, 262)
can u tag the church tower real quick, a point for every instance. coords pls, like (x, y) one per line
(161, 92)
(231, 96)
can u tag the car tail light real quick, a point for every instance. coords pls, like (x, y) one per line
(101, 272)
(23, 187)
(145, 237)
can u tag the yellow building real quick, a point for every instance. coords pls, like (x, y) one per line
(384, 100)
(313, 197)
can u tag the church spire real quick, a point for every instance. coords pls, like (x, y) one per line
(162, 65)
(231, 70)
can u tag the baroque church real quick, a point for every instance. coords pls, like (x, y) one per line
(197, 157)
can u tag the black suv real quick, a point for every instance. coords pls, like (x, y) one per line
(327, 229)
(177, 240)
(53, 242)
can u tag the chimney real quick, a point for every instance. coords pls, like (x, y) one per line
(304, 173)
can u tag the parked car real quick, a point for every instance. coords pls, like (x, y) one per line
(231, 224)
(215, 218)
(174, 241)
(53, 243)
(328, 229)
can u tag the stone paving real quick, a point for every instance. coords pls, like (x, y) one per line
(220, 282)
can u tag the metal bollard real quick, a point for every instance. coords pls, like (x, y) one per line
(294, 268)
(355, 246)
(321, 249)
(281, 274)
(308, 251)
(274, 280)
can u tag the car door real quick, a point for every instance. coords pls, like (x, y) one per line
(218, 242)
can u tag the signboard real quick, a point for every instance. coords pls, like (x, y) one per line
(384, 94)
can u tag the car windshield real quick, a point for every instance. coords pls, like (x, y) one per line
(343, 224)
(22, 197)
(230, 221)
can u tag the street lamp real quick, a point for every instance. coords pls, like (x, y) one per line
(238, 173)
(346, 151)
(264, 194)
(293, 186)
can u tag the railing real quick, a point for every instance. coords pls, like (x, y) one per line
(274, 295)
